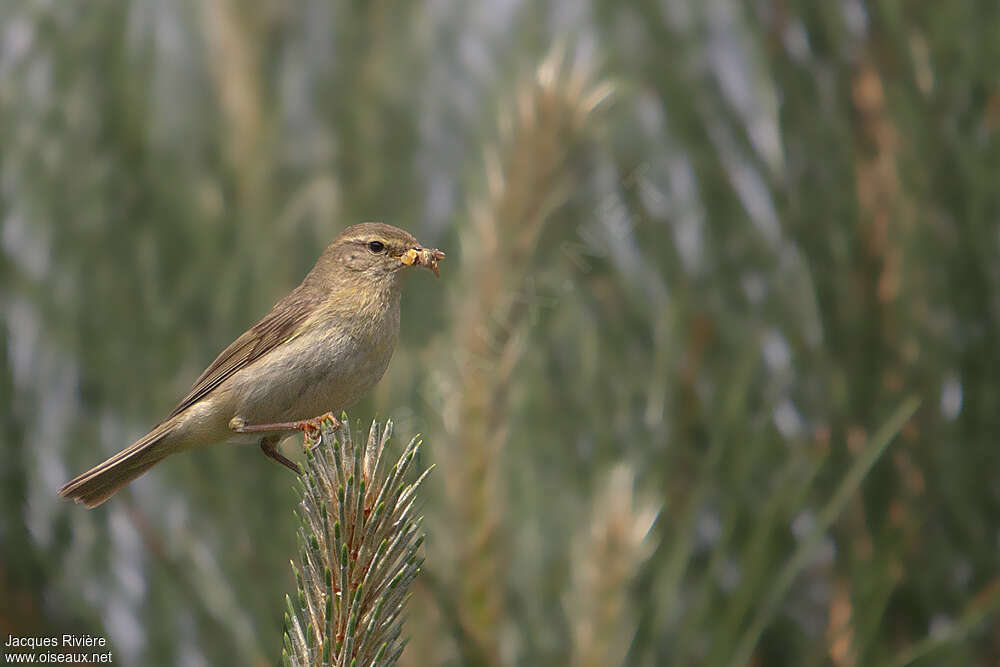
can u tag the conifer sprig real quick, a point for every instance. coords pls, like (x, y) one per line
(359, 544)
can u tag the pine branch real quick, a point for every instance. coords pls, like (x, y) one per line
(359, 541)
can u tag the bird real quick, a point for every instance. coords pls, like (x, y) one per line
(316, 352)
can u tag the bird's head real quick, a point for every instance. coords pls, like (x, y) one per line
(374, 254)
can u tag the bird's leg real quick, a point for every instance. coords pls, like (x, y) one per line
(269, 445)
(308, 426)
(311, 426)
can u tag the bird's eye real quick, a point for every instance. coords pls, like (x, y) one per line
(376, 247)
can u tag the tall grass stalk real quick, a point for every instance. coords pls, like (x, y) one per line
(528, 176)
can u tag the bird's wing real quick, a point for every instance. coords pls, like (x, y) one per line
(279, 326)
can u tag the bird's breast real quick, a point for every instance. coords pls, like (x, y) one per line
(331, 364)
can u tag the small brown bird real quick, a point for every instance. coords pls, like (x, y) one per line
(320, 349)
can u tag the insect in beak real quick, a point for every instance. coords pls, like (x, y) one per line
(423, 257)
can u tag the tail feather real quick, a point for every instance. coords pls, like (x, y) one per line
(102, 481)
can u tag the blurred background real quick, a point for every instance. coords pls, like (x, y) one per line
(703, 259)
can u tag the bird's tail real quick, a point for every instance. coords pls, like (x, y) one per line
(102, 481)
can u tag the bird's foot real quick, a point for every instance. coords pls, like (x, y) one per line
(313, 427)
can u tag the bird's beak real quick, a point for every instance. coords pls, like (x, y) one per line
(423, 257)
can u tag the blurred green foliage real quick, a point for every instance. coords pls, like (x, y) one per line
(707, 248)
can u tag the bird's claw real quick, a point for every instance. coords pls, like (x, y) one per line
(313, 428)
